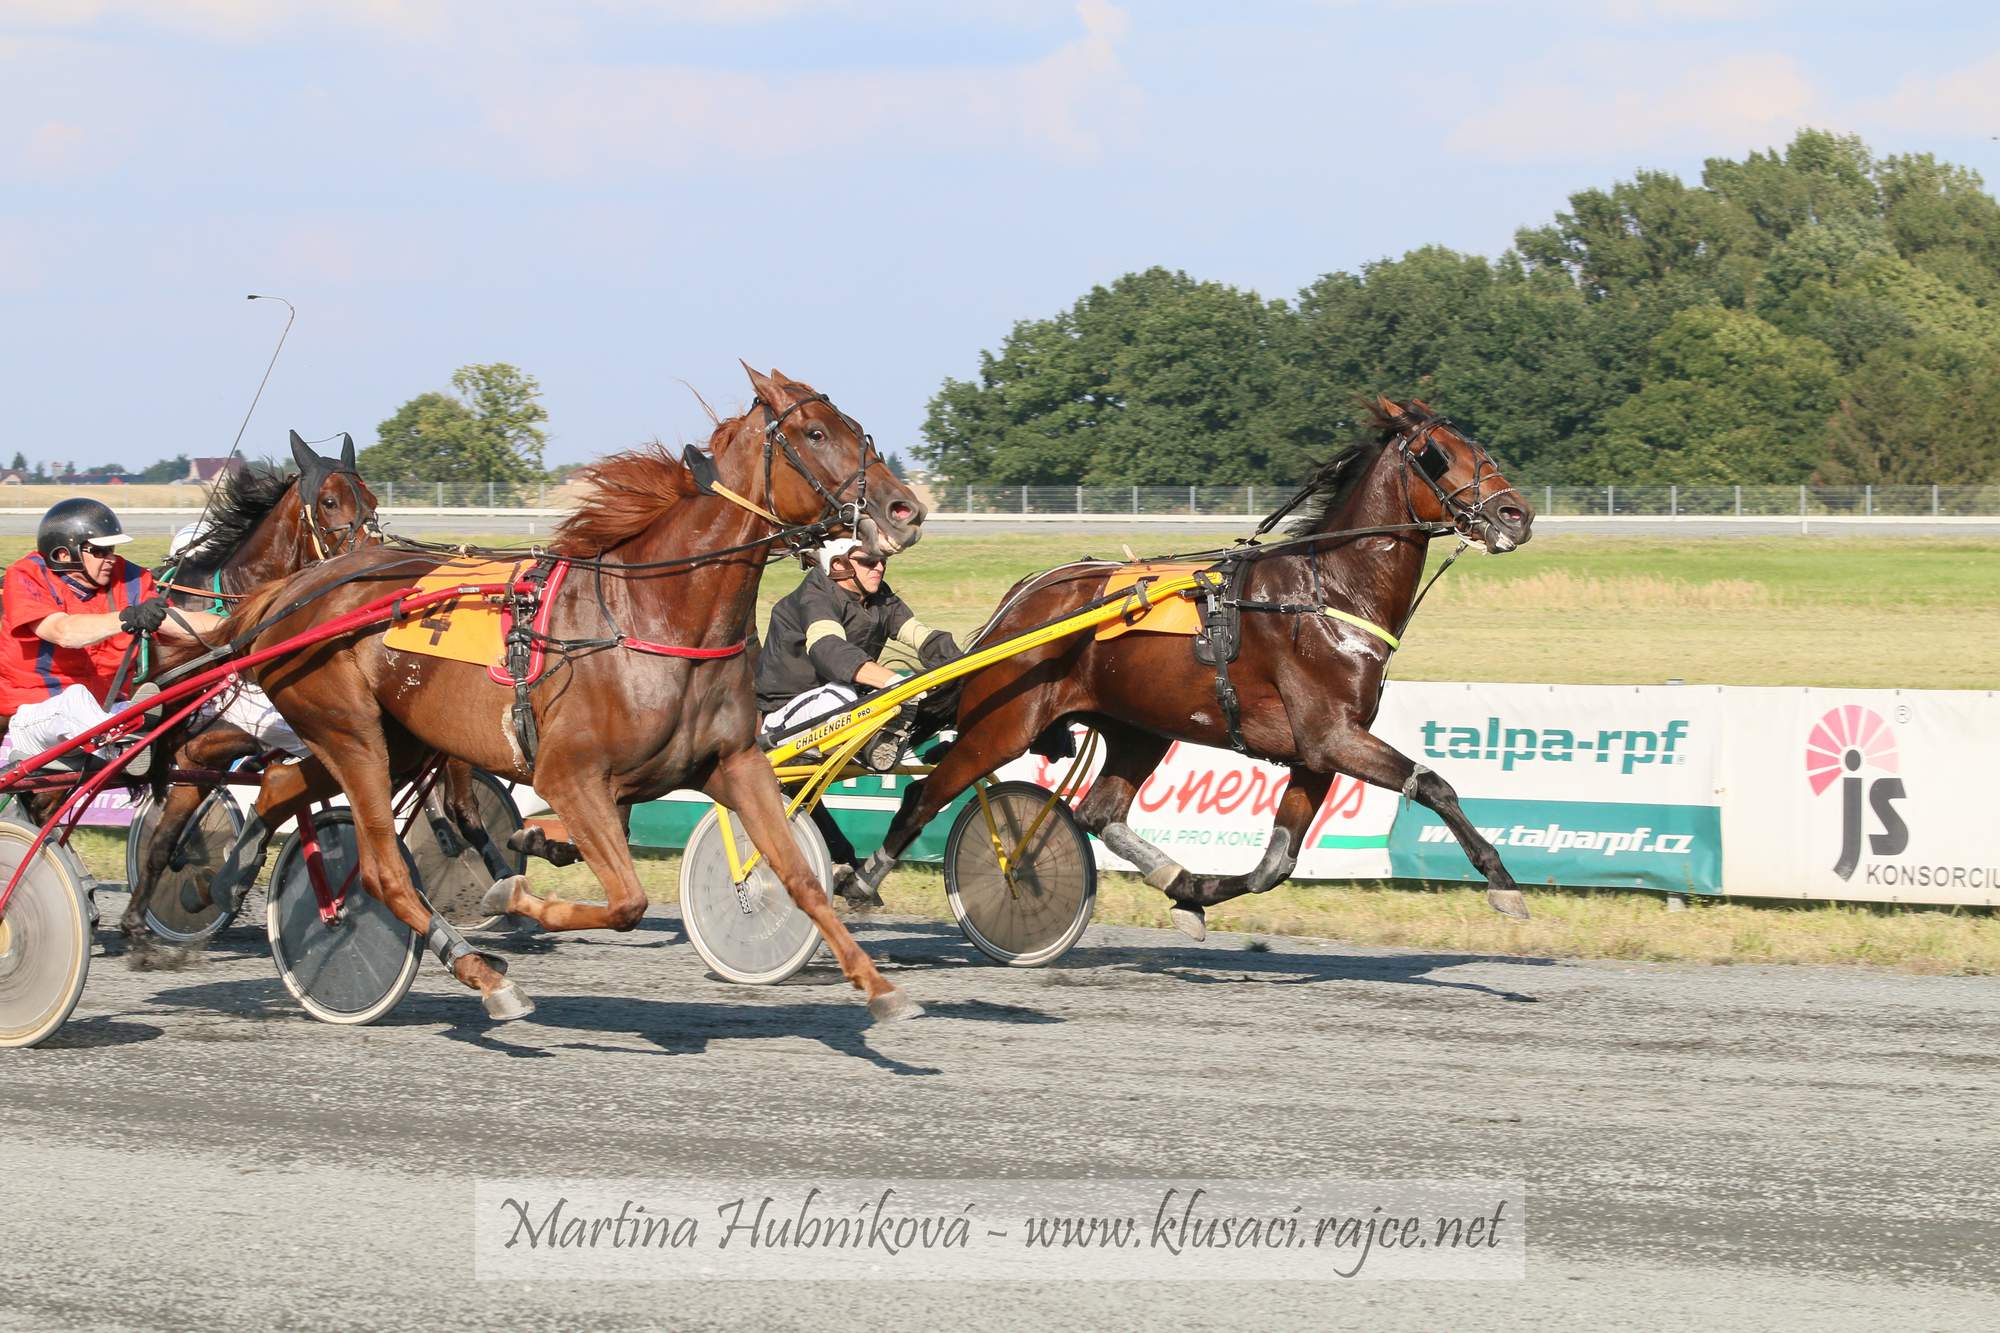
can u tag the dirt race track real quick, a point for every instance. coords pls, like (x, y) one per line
(1747, 1147)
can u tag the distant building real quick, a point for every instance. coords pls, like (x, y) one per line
(13, 478)
(202, 471)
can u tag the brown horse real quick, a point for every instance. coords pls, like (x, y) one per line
(1307, 682)
(261, 525)
(663, 565)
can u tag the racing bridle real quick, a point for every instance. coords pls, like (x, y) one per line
(314, 473)
(1424, 458)
(834, 513)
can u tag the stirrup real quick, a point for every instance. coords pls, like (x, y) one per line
(884, 749)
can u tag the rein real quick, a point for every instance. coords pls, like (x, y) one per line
(216, 593)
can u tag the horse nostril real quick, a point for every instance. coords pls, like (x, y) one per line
(901, 512)
(1512, 517)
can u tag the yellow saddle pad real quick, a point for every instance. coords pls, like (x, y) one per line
(1172, 614)
(466, 629)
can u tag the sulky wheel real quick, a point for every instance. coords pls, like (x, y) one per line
(44, 939)
(454, 873)
(1035, 916)
(356, 968)
(749, 932)
(203, 845)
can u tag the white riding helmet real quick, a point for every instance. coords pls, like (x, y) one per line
(833, 550)
(185, 538)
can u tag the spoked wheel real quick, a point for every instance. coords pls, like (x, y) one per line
(356, 968)
(44, 939)
(454, 875)
(1033, 916)
(190, 871)
(749, 932)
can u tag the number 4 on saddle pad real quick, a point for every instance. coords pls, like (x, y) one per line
(470, 629)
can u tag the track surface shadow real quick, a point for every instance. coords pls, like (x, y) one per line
(672, 1027)
(929, 944)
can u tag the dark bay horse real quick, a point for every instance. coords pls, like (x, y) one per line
(260, 525)
(1307, 681)
(664, 568)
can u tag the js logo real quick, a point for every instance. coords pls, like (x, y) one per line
(1843, 743)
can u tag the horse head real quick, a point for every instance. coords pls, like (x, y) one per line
(1449, 478)
(832, 470)
(336, 508)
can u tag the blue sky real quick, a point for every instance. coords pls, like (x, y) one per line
(618, 195)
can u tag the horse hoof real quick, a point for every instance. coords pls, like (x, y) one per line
(1508, 902)
(507, 1002)
(533, 840)
(1191, 922)
(892, 1005)
(501, 895)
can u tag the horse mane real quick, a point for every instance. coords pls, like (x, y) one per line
(240, 502)
(629, 491)
(1337, 478)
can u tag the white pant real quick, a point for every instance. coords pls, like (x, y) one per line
(47, 723)
(249, 709)
(817, 702)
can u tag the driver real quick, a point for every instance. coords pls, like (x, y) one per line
(69, 611)
(822, 651)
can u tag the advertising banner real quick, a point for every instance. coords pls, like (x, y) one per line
(1589, 785)
(1862, 795)
(1858, 795)
(1211, 810)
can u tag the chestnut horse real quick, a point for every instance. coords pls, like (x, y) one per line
(1307, 681)
(261, 525)
(649, 688)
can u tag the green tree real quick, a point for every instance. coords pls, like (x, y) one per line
(1819, 178)
(1919, 412)
(20, 463)
(491, 432)
(1728, 398)
(1156, 379)
(1648, 230)
(167, 469)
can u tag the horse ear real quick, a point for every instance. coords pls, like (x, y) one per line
(347, 451)
(302, 453)
(1422, 407)
(768, 388)
(1389, 407)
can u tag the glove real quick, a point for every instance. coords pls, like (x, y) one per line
(144, 617)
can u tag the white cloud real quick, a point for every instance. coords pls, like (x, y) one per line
(578, 119)
(1962, 102)
(1746, 99)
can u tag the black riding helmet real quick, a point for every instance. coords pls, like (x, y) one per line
(70, 525)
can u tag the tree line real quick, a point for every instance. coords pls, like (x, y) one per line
(489, 429)
(1811, 314)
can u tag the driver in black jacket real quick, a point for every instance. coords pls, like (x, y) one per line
(821, 655)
